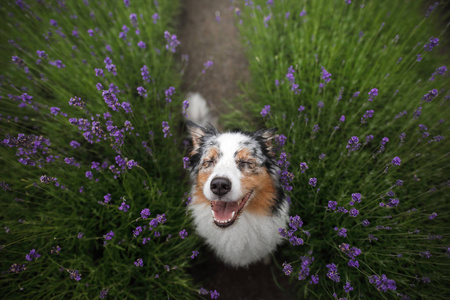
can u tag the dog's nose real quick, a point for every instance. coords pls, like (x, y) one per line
(220, 186)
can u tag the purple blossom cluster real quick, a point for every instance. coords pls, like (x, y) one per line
(366, 116)
(372, 94)
(432, 42)
(352, 253)
(333, 273)
(32, 255)
(295, 223)
(291, 79)
(265, 111)
(304, 267)
(428, 97)
(382, 283)
(285, 176)
(353, 144)
(172, 41)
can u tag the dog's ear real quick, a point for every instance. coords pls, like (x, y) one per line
(266, 137)
(198, 134)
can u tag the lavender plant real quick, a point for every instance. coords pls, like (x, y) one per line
(92, 201)
(360, 90)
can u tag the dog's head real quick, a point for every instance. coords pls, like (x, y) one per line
(234, 172)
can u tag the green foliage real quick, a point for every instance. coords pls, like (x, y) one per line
(364, 45)
(41, 216)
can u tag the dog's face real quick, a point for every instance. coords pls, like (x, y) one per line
(233, 172)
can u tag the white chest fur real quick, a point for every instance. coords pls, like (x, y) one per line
(248, 240)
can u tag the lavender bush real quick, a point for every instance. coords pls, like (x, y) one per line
(92, 201)
(359, 93)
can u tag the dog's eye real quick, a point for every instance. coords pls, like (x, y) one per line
(208, 163)
(242, 164)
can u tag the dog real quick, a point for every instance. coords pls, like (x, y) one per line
(237, 200)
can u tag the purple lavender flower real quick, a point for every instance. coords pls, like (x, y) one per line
(99, 72)
(432, 42)
(183, 234)
(107, 198)
(302, 13)
(214, 294)
(207, 65)
(431, 8)
(333, 272)
(372, 94)
(365, 223)
(145, 213)
(295, 241)
(353, 145)
(396, 161)
(55, 110)
(172, 41)
(342, 119)
(104, 293)
(287, 269)
(312, 182)
(341, 232)
(139, 262)
(155, 18)
(347, 287)
(32, 255)
(417, 113)
(124, 207)
(353, 263)
(419, 57)
(314, 279)
(169, 93)
(141, 91)
(439, 71)
(432, 216)
(185, 107)
(166, 129)
(332, 205)
(356, 197)
(353, 212)
(367, 115)
(316, 128)
(80, 235)
(194, 254)
(382, 283)
(303, 167)
(428, 97)
(74, 274)
(137, 231)
(89, 175)
(145, 73)
(265, 111)
(325, 75)
(185, 162)
(109, 236)
(90, 32)
(142, 45)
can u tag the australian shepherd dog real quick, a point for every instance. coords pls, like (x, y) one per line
(238, 203)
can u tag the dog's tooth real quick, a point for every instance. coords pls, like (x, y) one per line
(232, 215)
(212, 212)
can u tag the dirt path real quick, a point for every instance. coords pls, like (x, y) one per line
(207, 32)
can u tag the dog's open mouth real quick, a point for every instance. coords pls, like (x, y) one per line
(226, 213)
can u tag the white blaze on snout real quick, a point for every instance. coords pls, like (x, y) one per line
(226, 167)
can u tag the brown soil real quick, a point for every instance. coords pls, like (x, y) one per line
(205, 38)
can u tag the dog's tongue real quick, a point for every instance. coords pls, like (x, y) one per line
(224, 210)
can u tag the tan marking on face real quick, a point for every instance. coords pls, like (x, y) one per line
(263, 197)
(244, 154)
(202, 177)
